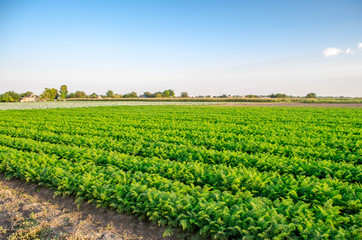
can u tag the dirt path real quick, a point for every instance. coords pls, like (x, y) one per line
(289, 104)
(28, 211)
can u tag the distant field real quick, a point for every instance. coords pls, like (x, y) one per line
(97, 103)
(78, 104)
(217, 172)
(241, 100)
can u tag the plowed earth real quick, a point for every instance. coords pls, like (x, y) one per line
(28, 211)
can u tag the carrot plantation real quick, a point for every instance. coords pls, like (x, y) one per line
(215, 172)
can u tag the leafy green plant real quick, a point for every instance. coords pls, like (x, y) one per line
(215, 172)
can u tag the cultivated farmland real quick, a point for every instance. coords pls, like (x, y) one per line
(215, 172)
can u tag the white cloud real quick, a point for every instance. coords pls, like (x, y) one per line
(349, 51)
(359, 45)
(332, 52)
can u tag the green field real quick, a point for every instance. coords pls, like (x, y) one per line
(215, 172)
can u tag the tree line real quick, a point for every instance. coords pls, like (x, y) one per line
(50, 94)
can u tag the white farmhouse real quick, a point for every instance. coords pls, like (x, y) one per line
(29, 98)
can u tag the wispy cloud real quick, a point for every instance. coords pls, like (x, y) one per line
(332, 51)
(349, 51)
(359, 45)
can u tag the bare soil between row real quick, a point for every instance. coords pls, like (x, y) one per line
(28, 211)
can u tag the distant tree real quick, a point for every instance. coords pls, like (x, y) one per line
(80, 94)
(278, 95)
(251, 96)
(149, 95)
(93, 95)
(158, 95)
(311, 95)
(71, 95)
(130, 95)
(172, 92)
(168, 93)
(9, 96)
(26, 94)
(281, 95)
(184, 95)
(110, 94)
(272, 95)
(49, 94)
(63, 91)
(208, 96)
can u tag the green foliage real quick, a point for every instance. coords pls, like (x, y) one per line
(311, 95)
(278, 95)
(158, 95)
(80, 94)
(215, 172)
(9, 96)
(49, 94)
(26, 94)
(63, 91)
(184, 95)
(130, 95)
(166, 93)
(110, 94)
(149, 95)
(71, 95)
(93, 95)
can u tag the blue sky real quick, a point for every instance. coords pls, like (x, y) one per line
(202, 47)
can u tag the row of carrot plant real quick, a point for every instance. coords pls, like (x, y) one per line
(217, 172)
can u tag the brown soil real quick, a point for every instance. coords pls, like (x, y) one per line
(28, 211)
(289, 104)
